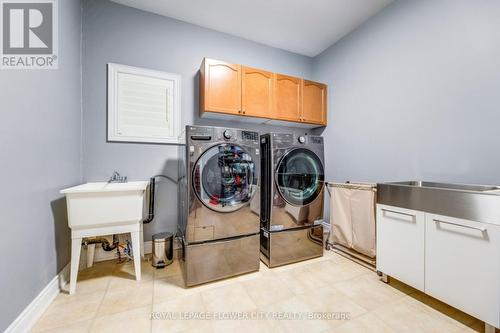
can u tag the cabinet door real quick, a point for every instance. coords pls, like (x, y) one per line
(314, 102)
(462, 265)
(257, 92)
(220, 89)
(400, 244)
(287, 98)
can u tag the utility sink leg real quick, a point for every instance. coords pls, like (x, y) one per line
(141, 236)
(76, 246)
(489, 328)
(136, 249)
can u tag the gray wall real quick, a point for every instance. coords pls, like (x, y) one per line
(414, 94)
(119, 34)
(39, 154)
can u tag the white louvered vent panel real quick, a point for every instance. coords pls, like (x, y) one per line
(143, 105)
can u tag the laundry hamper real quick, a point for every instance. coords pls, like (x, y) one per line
(352, 221)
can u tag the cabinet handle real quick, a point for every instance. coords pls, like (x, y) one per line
(243, 111)
(400, 213)
(482, 229)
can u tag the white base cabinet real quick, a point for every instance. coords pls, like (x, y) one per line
(454, 260)
(400, 244)
(462, 265)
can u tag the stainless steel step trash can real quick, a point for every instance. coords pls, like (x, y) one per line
(163, 249)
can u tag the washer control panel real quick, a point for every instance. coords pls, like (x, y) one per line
(216, 134)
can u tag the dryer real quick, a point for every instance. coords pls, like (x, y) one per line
(219, 222)
(292, 198)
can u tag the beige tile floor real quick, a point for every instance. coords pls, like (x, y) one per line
(108, 299)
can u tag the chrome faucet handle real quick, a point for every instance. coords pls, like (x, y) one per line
(116, 178)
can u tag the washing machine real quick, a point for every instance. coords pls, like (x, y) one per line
(292, 198)
(219, 205)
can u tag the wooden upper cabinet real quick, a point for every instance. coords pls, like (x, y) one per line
(256, 92)
(314, 102)
(287, 97)
(232, 89)
(220, 87)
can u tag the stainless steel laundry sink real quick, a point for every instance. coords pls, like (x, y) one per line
(473, 202)
(459, 187)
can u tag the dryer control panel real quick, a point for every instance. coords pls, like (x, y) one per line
(318, 140)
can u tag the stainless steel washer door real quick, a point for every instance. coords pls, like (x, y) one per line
(300, 177)
(224, 178)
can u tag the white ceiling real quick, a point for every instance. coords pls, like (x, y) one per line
(305, 27)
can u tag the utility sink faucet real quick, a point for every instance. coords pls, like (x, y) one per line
(116, 178)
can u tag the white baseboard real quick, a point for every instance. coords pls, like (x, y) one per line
(148, 247)
(25, 321)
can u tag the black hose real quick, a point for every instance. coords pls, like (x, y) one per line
(167, 177)
(152, 186)
(151, 213)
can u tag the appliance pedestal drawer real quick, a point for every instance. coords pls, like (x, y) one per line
(289, 246)
(217, 260)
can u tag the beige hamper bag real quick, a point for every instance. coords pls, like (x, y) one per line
(352, 216)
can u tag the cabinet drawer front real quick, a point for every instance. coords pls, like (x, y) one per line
(217, 260)
(400, 244)
(463, 265)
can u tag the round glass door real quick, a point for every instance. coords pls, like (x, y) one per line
(300, 177)
(224, 178)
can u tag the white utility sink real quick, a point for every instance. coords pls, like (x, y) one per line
(105, 204)
(98, 209)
